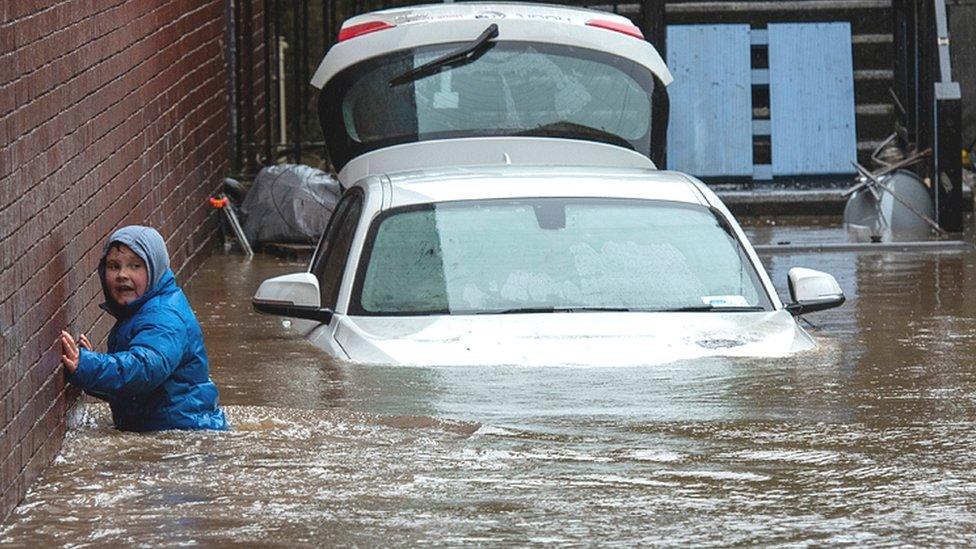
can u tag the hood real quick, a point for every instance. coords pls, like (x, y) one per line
(553, 339)
(149, 245)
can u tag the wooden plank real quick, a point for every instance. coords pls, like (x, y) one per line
(811, 99)
(762, 172)
(710, 130)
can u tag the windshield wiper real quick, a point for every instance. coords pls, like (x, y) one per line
(464, 55)
(593, 310)
(520, 310)
(709, 308)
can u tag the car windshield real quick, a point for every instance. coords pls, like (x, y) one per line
(553, 254)
(508, 88)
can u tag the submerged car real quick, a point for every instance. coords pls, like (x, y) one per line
(503, 205)
(540, 266)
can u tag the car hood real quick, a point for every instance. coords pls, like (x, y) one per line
(604, 339)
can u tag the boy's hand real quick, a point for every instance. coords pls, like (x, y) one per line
(70, 352)
(83, 341)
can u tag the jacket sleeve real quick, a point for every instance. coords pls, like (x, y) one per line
(154, 353)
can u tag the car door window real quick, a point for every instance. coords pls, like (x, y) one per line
(330, 259)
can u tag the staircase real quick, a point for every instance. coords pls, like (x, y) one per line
(873, 61)
(872, 47)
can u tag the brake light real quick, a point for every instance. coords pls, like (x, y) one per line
(624, 28)
(363, 28)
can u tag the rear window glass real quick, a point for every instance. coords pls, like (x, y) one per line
(513, 88)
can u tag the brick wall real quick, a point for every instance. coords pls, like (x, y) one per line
(111, 113)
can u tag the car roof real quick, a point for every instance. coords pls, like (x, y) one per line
(487, 182)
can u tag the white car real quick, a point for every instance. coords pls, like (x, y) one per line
(492, 83)
(540, 266)
(503, 204)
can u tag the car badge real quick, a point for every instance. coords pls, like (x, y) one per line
(490, 15)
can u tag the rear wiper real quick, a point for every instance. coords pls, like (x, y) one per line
(464, 55)
(707, 308)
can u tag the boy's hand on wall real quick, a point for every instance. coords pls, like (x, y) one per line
(70, 352)
(84, 343)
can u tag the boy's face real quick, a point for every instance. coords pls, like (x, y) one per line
(126, 275)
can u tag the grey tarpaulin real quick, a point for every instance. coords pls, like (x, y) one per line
(289, 203)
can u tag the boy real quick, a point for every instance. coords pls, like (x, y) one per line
(155, 375)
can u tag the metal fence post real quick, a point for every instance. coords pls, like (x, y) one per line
(328, 20)
(297, 106)
(303, 73)
(947, 164)
(903, 28)
(654, 25)
(269, 43)
(947, 125)
(247, 85)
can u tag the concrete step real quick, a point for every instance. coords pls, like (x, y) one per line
(870, 52)
(818, 198)
(761, 201)
(873, 90)
(762, 150)
(797, 8)
(866, 16)
(772, 6)
(868, 116)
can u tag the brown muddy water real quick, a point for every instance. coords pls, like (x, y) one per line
(868, 440)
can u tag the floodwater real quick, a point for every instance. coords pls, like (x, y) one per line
(868, 440)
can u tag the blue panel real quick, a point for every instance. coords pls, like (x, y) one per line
(811, 98)
(762, 172)
(710, 130)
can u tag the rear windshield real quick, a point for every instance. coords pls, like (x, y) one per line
(492, 256)
(513, 88)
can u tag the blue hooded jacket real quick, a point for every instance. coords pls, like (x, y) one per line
(155, 375)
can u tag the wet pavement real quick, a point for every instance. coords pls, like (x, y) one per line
(867, 440)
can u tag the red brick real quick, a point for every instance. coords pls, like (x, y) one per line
(110, 112)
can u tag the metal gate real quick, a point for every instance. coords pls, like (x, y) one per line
(275, 45)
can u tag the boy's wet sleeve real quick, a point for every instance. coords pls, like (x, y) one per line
(79, 377)
(154, 352)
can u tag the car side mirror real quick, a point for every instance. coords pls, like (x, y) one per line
(812, 291)
(292, 295)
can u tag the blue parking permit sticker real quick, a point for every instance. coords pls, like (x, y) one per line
(725, 300)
